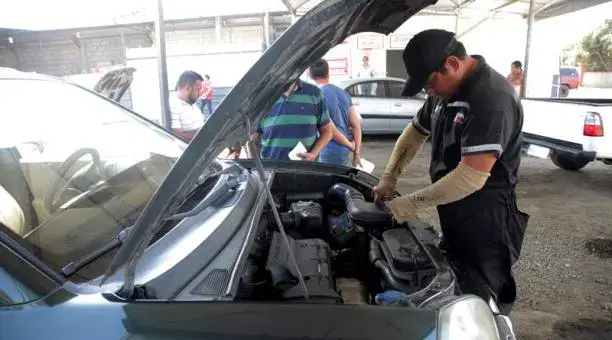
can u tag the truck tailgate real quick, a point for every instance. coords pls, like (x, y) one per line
(564, 121)
(561, 121)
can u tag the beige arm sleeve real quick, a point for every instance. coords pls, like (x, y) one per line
(457, 184)
(407, 146)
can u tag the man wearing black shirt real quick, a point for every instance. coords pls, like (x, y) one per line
(474, 119)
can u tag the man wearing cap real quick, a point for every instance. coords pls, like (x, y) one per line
(474, 119)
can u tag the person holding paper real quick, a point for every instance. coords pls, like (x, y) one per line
(299, 116)
(343, 114)
(474, 119)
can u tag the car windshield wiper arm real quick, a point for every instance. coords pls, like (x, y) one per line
(73, 266)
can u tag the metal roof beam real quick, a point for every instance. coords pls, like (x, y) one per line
(464, 4)
(289, 7)
(545, 6)
(487, 18)
(565, 7)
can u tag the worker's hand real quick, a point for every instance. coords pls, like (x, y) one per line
(402, 209)
(307, 156)
(383, 191)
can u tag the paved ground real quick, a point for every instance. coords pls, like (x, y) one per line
(565, 272)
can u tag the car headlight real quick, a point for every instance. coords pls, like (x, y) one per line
(467, 318)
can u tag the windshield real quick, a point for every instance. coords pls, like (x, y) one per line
(76, 169)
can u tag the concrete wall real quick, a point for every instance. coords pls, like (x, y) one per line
(597, 79)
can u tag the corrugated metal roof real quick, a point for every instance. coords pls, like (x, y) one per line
(546, 8)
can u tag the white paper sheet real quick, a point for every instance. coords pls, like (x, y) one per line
(367, 166)
(294, 155)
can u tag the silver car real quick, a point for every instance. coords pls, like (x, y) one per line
(382, 108)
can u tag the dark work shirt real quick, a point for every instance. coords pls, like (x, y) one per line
(484, 116)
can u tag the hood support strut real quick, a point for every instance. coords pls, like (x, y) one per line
(260, 170)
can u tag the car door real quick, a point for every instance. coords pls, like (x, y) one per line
(403, 109)
(369, 98)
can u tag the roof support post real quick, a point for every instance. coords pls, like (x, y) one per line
(457, 18)
(266, 30)
(160, 40)
(530, 21)
(218, 25)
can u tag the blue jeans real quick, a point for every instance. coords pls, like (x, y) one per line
(202, 103)
(336, 157)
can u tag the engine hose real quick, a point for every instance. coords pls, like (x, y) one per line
(378, 261)
(365, 213)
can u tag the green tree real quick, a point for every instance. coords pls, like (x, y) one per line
(596, 49)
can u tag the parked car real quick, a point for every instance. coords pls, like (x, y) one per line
(572, 132)
(112, 228)
(382, 108)
(569, 79)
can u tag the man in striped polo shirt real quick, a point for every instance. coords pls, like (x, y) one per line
(300, 115)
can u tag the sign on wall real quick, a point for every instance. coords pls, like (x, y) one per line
(399, 41)
(370, 42)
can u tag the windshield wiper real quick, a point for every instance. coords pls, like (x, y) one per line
(74, 266)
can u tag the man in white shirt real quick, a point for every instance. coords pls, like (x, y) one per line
(366, 71)
(186, 116)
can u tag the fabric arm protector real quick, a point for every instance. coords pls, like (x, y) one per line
(457, 184)
(407, 146)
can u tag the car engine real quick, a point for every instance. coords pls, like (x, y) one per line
(348, 250)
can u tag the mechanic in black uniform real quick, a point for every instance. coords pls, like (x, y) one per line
(474, 119)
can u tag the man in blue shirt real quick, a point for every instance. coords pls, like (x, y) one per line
(300, 115)
(345, 118)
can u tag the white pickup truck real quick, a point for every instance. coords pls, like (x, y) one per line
(572, 132)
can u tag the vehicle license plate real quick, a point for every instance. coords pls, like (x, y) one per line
(538, 151)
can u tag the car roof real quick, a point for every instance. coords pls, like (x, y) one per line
(11, 73)
(349, 82)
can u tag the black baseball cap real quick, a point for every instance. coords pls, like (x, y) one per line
(425, 54)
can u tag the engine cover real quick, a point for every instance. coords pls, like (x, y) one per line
(313, 258)
(407, 260)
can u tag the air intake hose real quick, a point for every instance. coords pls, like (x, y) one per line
(364, 213)
(379, 262)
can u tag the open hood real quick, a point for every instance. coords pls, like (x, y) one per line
(309, 39)
(114, 83)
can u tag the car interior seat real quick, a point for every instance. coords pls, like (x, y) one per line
(15, 190)
(11, 214)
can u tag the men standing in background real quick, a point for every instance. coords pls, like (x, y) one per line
(516, 76)
(343, 114)
(206, 93)
(300, 115)
(186, 117)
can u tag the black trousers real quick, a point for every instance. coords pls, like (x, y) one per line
(482, 236)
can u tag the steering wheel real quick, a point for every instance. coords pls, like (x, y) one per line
(68, 174)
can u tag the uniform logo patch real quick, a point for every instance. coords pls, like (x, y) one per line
(459, 118)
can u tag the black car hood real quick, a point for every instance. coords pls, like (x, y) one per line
(309, 39)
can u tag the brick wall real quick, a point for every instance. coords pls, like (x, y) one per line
(60, 53)
(7, 57)
(60, 56)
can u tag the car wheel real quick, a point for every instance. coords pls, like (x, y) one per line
(568, 161)
(564, 91)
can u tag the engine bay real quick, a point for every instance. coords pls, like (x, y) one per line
(348, 250)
